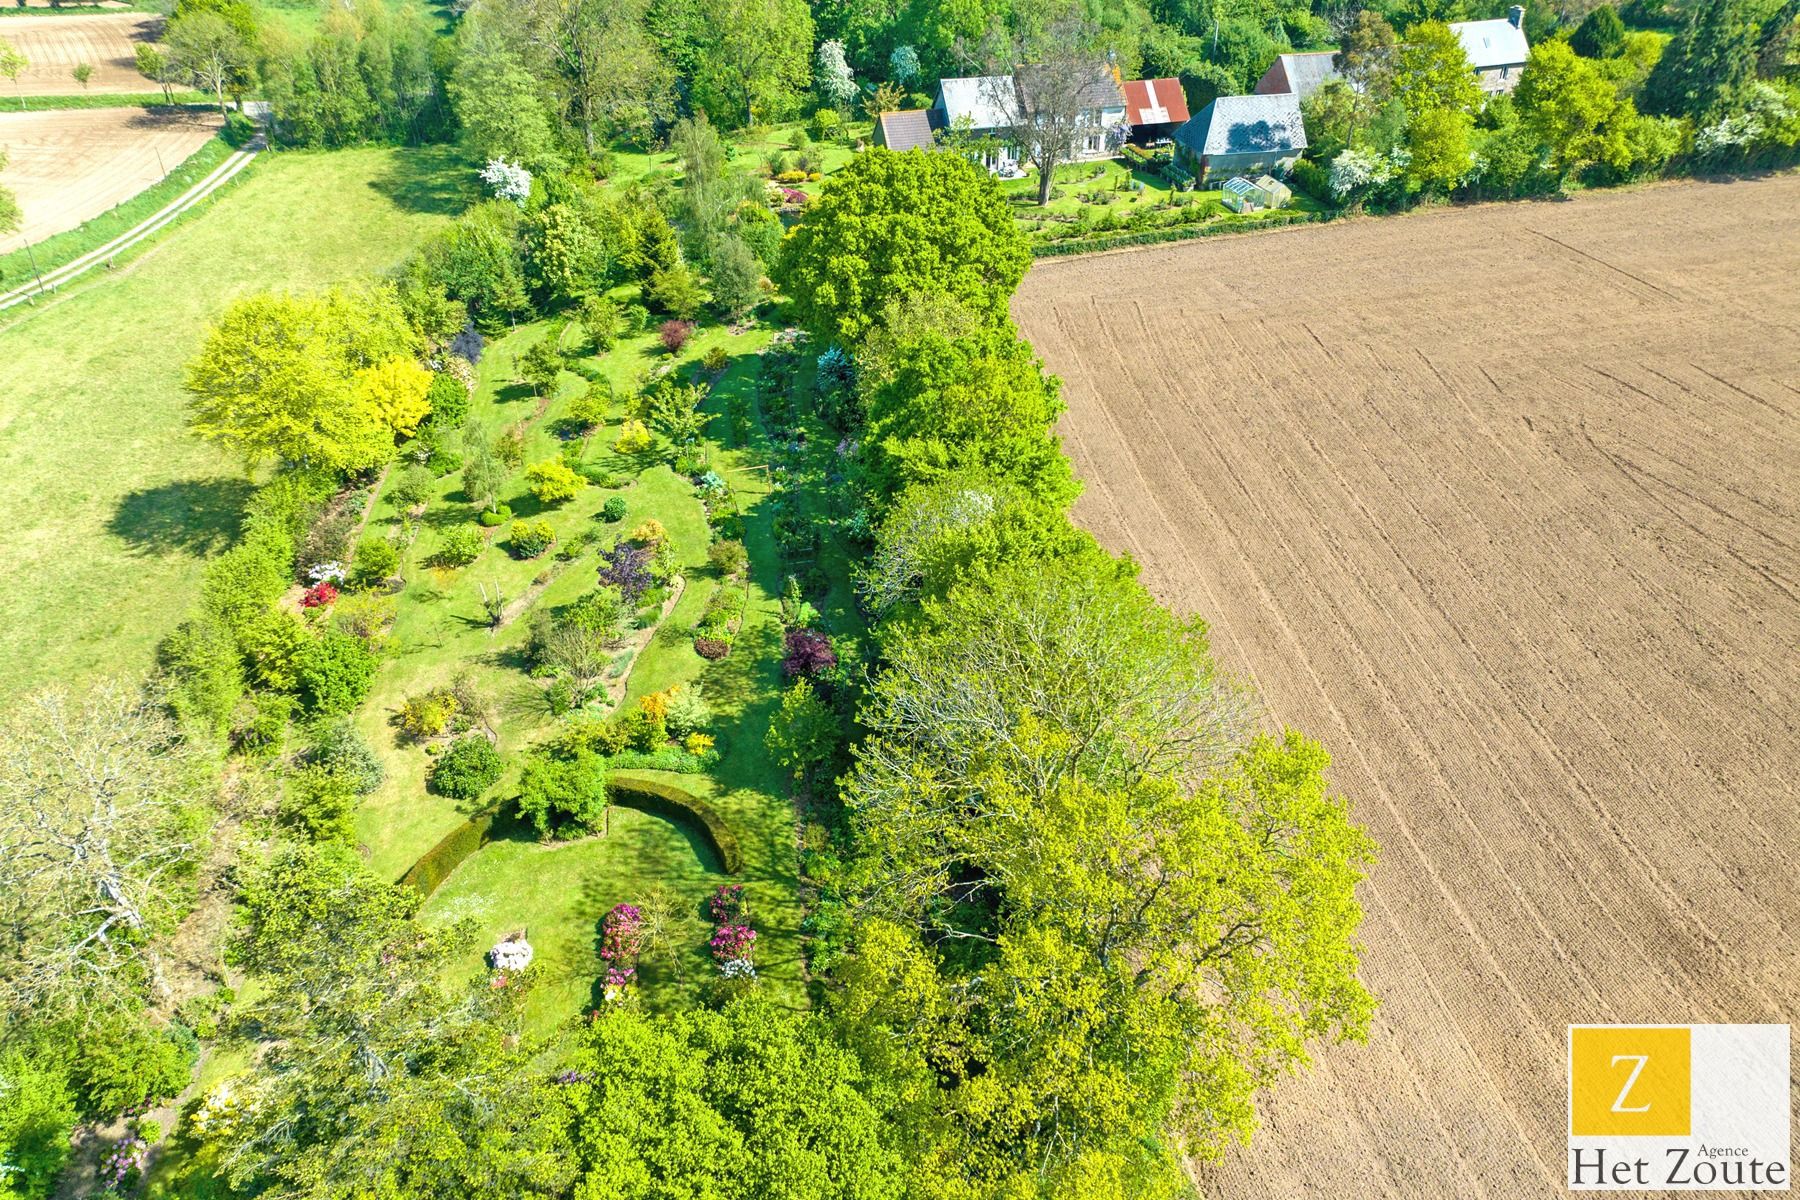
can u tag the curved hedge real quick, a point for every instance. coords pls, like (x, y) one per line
(665, 800)
(626, 789)
(435, 865)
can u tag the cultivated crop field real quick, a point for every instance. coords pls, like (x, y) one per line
(70, 165)
(56, 44)
(1502, 504)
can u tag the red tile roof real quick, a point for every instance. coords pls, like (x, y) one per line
(1155, 102)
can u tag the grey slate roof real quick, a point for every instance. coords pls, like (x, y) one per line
(906, 130)
(1497, 43)
(1301, 74)
(1099, 90)
(1246, 125)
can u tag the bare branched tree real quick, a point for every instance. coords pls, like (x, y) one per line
(102, 819)
(1053, 88)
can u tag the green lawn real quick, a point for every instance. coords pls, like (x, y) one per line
(558, 893)
(111, 506)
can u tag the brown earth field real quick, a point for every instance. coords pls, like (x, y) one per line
(69, 165)
(1502, 504)
(56, 43)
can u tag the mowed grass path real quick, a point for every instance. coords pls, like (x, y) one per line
(111, 508)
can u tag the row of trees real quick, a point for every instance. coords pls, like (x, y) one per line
(1092, 913)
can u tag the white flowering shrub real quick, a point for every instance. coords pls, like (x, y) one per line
(1354, 172)
(509, 180)
(738, 968)
(326, 572)
(514, 954)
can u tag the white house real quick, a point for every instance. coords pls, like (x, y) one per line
(993, 107)
(1497, 49)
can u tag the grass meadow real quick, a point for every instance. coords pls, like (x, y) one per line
(112, 508)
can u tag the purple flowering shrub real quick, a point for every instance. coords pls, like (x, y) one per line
(728, 904)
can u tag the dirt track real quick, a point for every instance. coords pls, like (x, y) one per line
(54, 44)
(70, 165)
(1503, 504)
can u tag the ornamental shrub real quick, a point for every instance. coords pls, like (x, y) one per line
(319, 595)
(123, 1061)
(337, 747)
(634, 438)
(449, 400)
(552, 482)
(711, 648)
(809, 652)
(614, 509)
(627, 566)
(415, 484)
(674, 335)
(563, 797)
(727, 556)
(428, 714)
(319, 805)
(528, 539)
(460, 547)
(336, 671)
(490, 518)
(686, 711)
(376, 562)
(467, 769)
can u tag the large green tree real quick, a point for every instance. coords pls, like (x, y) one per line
(943, 403)
(757, 62)
(1573, 110)
(1096, 915)
(1705, 70)
(892, 225)
(755, 1102)
(277, 377)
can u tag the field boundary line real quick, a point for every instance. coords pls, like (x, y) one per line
(50, 281)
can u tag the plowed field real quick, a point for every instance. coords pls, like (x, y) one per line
(54, 45)
(69, 165)
(1502, 504)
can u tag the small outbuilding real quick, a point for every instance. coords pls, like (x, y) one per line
(1155, 109)
(1254, 195)
(909, 129)
(1242, 135)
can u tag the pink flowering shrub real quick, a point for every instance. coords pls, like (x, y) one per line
(621, 939)
(733, 943)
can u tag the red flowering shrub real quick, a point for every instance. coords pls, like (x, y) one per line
(808, 653)
(319, 595)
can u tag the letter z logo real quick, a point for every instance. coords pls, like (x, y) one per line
(1640, 1060)
(1630, 1081)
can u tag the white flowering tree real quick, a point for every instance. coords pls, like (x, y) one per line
(508, 180)
(836, 81)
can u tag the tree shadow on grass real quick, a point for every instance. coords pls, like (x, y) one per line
(430, 179)
(193, 516)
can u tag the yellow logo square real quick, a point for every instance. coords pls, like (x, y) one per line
(1630, 1081)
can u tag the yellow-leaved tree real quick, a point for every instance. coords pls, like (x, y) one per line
(395, 392)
